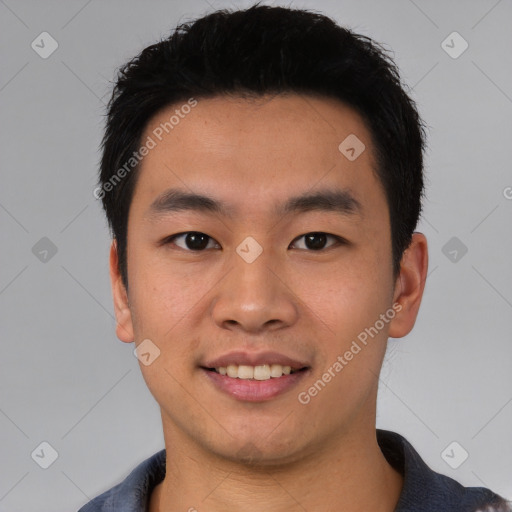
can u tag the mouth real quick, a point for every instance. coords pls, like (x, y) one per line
(254, 376)
(261, 372)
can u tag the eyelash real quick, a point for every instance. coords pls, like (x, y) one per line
(339, 240)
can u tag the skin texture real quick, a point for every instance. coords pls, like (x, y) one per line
(307, 304)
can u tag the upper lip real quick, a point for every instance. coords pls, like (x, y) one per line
(254, 359)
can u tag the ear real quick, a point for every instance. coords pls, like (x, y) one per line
(124, 328)
(409, 286)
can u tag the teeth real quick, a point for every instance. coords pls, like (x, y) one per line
(276, 370)
(245, 372)
(260, 372)
(232, 371)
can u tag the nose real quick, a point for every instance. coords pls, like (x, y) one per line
(255, 297)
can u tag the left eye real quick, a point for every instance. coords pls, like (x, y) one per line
(197, 241)
(316, 241)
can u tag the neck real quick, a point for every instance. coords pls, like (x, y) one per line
(350, 474)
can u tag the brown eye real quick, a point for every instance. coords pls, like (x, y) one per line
(193, 240)
(316, 241)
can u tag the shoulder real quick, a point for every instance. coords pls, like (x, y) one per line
(425, 490)
(133, 492)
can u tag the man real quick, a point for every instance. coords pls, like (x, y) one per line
(262, 174)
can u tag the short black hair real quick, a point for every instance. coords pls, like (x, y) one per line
(254, 52)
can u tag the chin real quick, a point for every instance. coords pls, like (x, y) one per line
(258, 452)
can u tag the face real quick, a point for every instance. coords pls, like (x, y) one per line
(270, 269)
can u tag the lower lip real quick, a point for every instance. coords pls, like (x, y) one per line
(251, 390)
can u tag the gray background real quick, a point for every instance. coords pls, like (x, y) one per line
(67, 380)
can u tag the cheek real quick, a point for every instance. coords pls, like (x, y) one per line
(160, 295)
(161, 302)
(345, 298)
(342, 310)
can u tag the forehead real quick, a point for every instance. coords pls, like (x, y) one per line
(254, 153)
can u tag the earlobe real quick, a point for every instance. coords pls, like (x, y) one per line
(410, 286)
(124, 327)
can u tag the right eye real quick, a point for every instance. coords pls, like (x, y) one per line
(194, 241)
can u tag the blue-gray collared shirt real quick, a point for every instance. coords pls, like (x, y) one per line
(424, 490)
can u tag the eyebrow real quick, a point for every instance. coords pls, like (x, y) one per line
(328, 200)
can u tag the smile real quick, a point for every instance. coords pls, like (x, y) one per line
(254, 383)
(258, 372)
